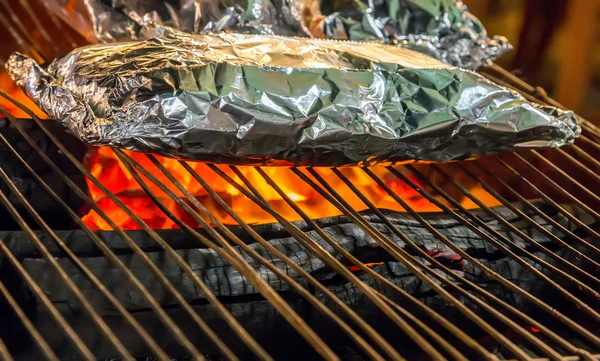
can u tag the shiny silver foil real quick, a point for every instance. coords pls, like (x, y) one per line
(250, 99)
(443, 29)
(124, 20)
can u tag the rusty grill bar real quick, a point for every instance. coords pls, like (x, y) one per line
(546, 332)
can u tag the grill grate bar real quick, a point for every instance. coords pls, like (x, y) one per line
(33, 332)
(583, 332)
(98, 242)
(4, 354)
(19, 39)
(162, 315)
(589, 142)
(332, 262)
(592, 131)
(270, 181)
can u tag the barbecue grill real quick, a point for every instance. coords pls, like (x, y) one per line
(503, 265)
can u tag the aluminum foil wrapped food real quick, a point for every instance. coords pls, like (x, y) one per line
(250, 99)
(444, 29)
(124, 20)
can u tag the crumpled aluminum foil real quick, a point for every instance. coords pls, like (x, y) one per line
(444, 29)
(124, 20)
(250, 99)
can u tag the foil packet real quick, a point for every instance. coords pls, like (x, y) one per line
(443, 29)
(267, 100)
(125, 20)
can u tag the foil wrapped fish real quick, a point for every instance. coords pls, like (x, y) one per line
(444, 29)
(124, 20)
(250, 99)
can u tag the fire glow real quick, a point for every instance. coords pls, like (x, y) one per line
(109, 170)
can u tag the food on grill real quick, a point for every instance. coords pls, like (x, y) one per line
(123, 20)
(250, 99)
(443, 29)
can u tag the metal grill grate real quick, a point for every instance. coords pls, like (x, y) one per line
(475, 323)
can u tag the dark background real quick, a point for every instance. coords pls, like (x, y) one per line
(556, 46)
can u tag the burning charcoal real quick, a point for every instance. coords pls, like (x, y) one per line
(249, 99)
(52, 212)
(248, 306)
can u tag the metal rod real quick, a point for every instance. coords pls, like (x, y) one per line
(84, 351)
(162, 315)
(94, 316)
(33, 332)
(593, 131)
(38, 24)
(160, 354)
(594, 144)
(309, 243)
(528, 320)
(232, 257)
(4, 354)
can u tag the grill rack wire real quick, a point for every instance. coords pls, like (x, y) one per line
(546, 343)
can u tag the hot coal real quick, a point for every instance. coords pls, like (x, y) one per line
(248, 306)
(52, 212)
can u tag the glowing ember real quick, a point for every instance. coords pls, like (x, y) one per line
(105, 166)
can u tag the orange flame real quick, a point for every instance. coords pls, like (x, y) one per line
(109, 170)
